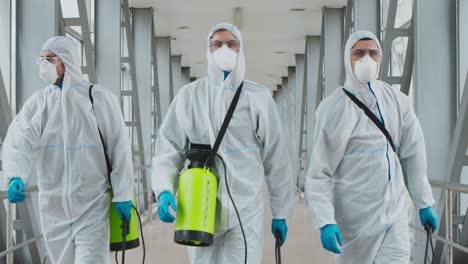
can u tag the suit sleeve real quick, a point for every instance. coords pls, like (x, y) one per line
(21, 142)
(110, 120)
(279, 177)
(412, 154)
(332, 130)
(170, 148)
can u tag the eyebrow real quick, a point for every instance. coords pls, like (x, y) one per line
(233, 39)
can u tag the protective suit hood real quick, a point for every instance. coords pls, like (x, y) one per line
(352, 83)
(216, 74)
(66, 50)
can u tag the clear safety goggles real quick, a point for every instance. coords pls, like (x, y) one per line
(232, 44)
(53, 60)
(357, 54)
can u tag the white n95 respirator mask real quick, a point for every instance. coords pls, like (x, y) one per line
(225, 58)
(365, 69)
(48, 72)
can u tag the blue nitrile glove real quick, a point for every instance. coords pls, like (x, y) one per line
(279, 225)
(124, 209)
(427, 215)
(166, 199)
(16, 190)
(328, 235)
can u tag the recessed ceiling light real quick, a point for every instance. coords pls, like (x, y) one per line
(280, 52)
(183, 28)
(271, 75)
(298, 9)
(200, 62)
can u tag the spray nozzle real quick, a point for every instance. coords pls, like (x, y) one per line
(278, 237)
(124, 226)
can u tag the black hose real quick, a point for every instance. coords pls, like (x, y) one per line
(124, 239)
(141, 233)
(124, 227)
(429, 231)
(235, 207)
(278, 247)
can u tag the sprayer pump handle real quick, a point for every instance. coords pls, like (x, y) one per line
(428, 227)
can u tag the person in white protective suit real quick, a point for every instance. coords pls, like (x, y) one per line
(254, 149)
(55, 136)
(355, 184)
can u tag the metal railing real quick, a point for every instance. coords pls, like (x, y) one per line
(10, 208)
(449, 189)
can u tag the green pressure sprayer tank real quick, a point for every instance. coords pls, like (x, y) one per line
(198, 186)
(196, 203)
(116, 240)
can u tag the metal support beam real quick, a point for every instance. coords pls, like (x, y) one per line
(87, 43)
(3, 233)
(31, 33)
(459, 257)
(274, 95)
(349, 20)
(459, 144)
(409, 63)
(26, 211)
(72, 22)
(433, 17)
(462, 32)
(5, 110)
(391, 33)
(284, 101)
(61, 23)
(312, 71)
(462, 35)
(277, 95)
(388, 41)
(156, 106)
(176, 64)
(278, 101)
(291, 114)
(143, 39)
(108, 47)
(457, 160)
(65, 25)
(333, 30)
(367, 16)
(448, 226)
(320, 75)
(185, 76)
(138, 145)
(5, 54)
(163, 55)
(301, 63)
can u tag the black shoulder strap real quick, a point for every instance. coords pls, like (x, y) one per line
(372, 117)
(224, 127)
(106, 153)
